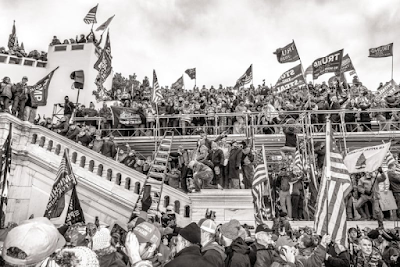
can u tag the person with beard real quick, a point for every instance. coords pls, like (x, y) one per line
(188, 251)
(234, 165)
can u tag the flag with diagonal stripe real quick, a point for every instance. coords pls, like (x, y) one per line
(330, 217)
(191, 73)
(246, 78)
(91, 16)
(64, 182)
(156, 95)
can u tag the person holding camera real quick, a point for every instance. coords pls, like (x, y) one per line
(369, 192)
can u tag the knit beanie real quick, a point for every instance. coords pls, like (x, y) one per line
(231, 229)
(102, 239)
(191, 233)
(84, 257)
(373, 234)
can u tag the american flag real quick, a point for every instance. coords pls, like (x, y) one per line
(64, 182)
(103, 64)
(91, 16)
(191, 73)
(178, 84)
(156, 96)
(5, 167)
(389, 159)
(330, 216)
(259, 182)
(298, 160)
(12, 39)
(246, 78)
(104, 26)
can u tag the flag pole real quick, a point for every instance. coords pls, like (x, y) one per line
(327, 168)
(268, 182)
(392, 60)
(4, 184)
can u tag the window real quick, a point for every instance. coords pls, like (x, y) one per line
(28, 62)
(59, 48)
(78, 47)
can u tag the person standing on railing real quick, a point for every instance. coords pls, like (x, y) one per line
(5, 94)
(19, 96)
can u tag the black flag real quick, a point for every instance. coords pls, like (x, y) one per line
(75, 212)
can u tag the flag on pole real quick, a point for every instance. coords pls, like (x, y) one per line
(156, 95)
(5, 167)
(381, 51)
(191, 73)
(291, 78)
(12, 39)
(104, 63)
(178, 84)
(389, 159)
(64, 182)
(75, 212)
(258, 188)
(330, 217)
(91, 15)
(298, 160)
(329, 63)
(287, 54)
(39, 91)
(104, 26)
(347, 65)
(308, 71)
(246, 78)
(366, 159)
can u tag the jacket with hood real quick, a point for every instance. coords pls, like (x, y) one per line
(214, 253)
(189, 256)
(237, 254)
(261, 255)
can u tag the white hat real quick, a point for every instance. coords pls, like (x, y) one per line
(209, 226)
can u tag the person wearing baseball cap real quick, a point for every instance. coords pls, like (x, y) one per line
(188, 249)
(32, 242)
(210, 249)
(106, 252)
(262, 251)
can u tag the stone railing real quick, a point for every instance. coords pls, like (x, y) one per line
(25, 135)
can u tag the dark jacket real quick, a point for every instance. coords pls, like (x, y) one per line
(315, 260)
(63, 126)
(261, 255)
(189, 256)
(214, 253)
(291, 139)
(216, 156)
(394, 179)
(237, 254)
(109, 149)
(341, 260)
(111, 260)
(72, 134)
(234, 162)
(84, 140)
(68, 108)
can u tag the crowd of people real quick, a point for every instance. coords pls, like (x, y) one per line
(82, 39)
(159, 241)
(19, 51)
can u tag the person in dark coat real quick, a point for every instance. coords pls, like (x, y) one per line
(337, 256)
(68, 108)
(19, 95)
(62, 127)
(234, 164)
(84, 138)
(188, 249)
(262, 251)
(109, 148)
(247, 166)
(73, 132)
(216, 156)
(236, 250)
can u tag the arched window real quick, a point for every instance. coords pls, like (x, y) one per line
(58, 149)
(109, 174)
(177, 207)
(187, 211)
(128, 183)
(118, 179)
(50, 145)
(83, 161)
(42, 141)
(74, 156)
(34, 138)
(137, 188)
(91, 165)
(100, 170)
(166, 201)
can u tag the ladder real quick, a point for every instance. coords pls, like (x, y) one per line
(157, 173)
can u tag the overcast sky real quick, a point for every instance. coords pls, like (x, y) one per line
(221, 38)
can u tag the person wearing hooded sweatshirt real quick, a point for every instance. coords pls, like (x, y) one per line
(188, 251)
(211, 250)
(337, 256)
(236, 250)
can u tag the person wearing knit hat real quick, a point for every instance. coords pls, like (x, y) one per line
(188, 249)
(235, 247)
(262, 251)
(210, 249)
(107, 254)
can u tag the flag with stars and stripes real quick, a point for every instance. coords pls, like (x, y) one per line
(298, 160)
(5, 167)
(246, 78)
(104, 64)
(330, 214)
(389, 159)
(191, 73)
(156, 95)
(260, 184)
(91, 16)
(64, 182)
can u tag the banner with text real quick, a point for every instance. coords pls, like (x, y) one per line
(381, 51)
(127, 116)
(388, 89)
(75, 212)
(347, 65)
(366, 159)
(287, 54)
(291, 78)
(39, 91)
(330, 63)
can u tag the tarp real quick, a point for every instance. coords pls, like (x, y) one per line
(366, 159)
